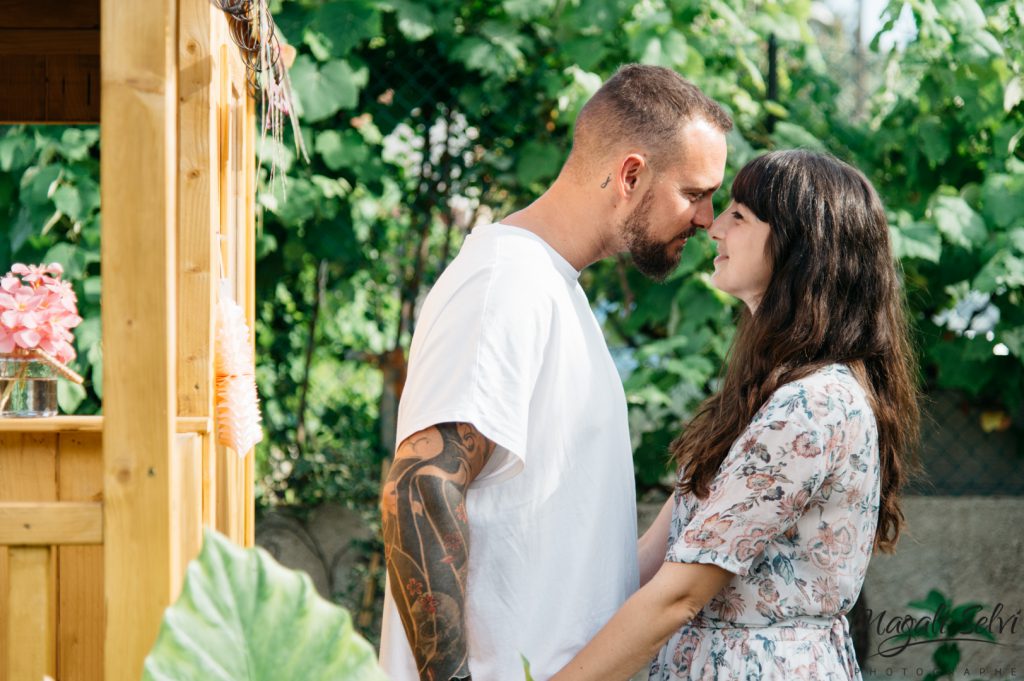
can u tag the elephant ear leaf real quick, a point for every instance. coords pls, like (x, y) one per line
(242, 616)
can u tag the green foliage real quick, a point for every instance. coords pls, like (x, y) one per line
(49, 212)
(944, 623)
(424, 117)
(241, 616)
(944, 149)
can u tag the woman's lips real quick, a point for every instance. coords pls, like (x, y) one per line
(721, 258)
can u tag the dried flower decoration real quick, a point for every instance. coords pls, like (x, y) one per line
(252, 29)
(237, 408)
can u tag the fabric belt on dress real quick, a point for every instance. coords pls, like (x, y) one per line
(799, 628)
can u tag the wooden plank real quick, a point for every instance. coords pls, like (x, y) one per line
(248, 158)
(139, 170)
(28, 472)
(194, 424)
(28, 467)
(22, 88)
(73, 88)
(209, 482)
(229, 520)
(48, 41)
(41, 523)
(187, 490)
(230, 474)
(49, 14)
(91, 424)
(5, 611)
(80, 587)
(198, 207)
(53, 424)
(32, 595)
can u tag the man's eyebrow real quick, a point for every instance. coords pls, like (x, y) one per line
(701, 190)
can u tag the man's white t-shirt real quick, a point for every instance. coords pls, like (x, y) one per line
(507, 341)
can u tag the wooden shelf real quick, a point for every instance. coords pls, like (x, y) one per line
(52, 424)
(92, 424)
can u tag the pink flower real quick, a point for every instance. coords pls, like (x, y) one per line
(826, 592)
(751, 543)
(33, 273)
(759, 481)
(708, 534)
(38, 310)
(830, 547)
(6, 340)
(805, 446)
(728, 604)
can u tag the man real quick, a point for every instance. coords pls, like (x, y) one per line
(509, 514)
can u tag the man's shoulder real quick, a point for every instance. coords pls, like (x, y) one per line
(504, 271)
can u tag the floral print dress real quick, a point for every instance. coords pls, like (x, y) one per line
(792, 513)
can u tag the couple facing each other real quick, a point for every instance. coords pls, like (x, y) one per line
(509, 514)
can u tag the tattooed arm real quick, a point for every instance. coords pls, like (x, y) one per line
(426, 541)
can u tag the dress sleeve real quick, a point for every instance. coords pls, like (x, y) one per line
(763, 485)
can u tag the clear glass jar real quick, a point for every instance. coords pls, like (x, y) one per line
(28, 387)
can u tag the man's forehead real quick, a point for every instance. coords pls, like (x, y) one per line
(702, 153)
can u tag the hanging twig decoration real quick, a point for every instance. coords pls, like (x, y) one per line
(252, 29)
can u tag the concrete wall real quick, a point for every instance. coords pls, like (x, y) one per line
(329, 545)
(972, 550)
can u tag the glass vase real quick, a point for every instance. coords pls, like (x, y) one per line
(28, 387)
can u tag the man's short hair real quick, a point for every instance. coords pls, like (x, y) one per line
(644, 105)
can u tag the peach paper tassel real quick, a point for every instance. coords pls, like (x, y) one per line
(236, 403)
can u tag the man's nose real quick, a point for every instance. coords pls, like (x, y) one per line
(705, 215)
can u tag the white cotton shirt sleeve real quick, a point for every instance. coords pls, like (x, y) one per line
(478, 359)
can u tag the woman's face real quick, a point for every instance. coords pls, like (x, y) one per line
(742, 268)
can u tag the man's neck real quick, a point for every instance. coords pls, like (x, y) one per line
(571, 223)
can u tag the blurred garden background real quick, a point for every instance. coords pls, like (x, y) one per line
(423, 118)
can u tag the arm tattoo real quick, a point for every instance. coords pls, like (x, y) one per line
(426, 541)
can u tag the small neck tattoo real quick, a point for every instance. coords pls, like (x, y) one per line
(606, 181)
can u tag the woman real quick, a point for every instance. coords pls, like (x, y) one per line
(789, 476)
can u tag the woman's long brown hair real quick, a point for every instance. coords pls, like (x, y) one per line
(834, 297)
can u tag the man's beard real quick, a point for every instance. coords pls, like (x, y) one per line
(651, 257)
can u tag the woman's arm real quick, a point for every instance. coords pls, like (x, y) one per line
(634, 635)
(652, 545)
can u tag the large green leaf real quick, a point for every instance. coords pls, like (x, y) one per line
(323, 91)
(1004, 269)
(1003, 202)
(958, 222)
(337, 27)
(538, 162)
(790, 135)
(916, 240)
(242, 616)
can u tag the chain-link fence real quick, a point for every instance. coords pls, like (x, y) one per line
(958, 456)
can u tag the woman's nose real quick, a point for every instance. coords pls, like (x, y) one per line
(715, 230)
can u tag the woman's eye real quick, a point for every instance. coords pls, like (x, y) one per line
(738, 215)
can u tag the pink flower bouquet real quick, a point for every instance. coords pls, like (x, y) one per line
(37, 313)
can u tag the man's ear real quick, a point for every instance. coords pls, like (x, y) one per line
(630, 172)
